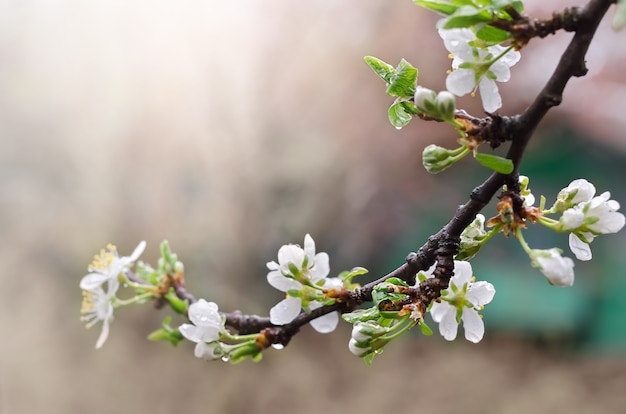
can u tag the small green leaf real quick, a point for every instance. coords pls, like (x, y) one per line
(498, 164)
(442, 7)
(177, 304)
(403, 82)
(398, 116)
(425, 328)
(492, 35)
(362, 315)
(369, 358)
(467, 16)
(382, 69)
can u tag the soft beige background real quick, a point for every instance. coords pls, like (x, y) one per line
(230, 128)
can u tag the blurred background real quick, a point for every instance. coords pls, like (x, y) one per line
(231, 128)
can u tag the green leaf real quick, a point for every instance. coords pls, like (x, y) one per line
(369, 358)
(492, 35)
(403, 82)
(177, 304)
(498, 164)
(467, 16)
(382, 69)
(425, 328)
(354, 272)
(398, 115)
(442, 7)
(361, 315)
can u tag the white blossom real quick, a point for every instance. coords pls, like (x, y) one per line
(558, 269)
(205, 328)
(97, 306)
(475, 68)
(461, 302)
(590, 218)
(296, 268)
(107, 265)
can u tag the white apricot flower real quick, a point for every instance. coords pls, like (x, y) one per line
(477, 68)
(558, 269)
(461, 301)
(205, 328)
(107, 265)
(97, 306)
(296, 269)
(588, 216)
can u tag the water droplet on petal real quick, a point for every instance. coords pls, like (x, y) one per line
(226, 358)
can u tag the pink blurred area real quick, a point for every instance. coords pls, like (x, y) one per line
(230, 128)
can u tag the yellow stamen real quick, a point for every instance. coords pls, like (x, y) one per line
(103, 259)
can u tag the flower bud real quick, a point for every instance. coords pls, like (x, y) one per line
(578, 191)
(436, 158)
(446, 105)
(358, 349)
(558, 269)
(425, 100)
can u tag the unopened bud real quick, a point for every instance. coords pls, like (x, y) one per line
(446, 105)
(425, 100)
(437, 159)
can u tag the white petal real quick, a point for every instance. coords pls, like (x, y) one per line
(93, 280)
(309, 246)
(581, 250)
(327, 323)
(104, 334)
(461, 81)
(290, 253)
(501, 70)
(192, 333)
(205, 351)
(285, 311)
(480, 293)
(282, 283)
(489, 95)
(321, 268)
(272, 265)
(448, 326)
(138, 251)
(473, 325)
(462, 273)
(572, 218)
(203, 313)
(333, 283)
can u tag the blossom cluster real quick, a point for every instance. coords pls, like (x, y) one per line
(100, 287)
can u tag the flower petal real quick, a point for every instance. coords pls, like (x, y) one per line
(581, 250)
(472, 325)
(489, 95)
(192, 333)
(137, 252)
(325, 324)
(462, 273)
(321, 268)
(285, 311)
(480, 293)
(282, 283)
(104, 334)
(448, 326)
(461, 81)
(92, 281)
(203, 313)
(309, 246)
